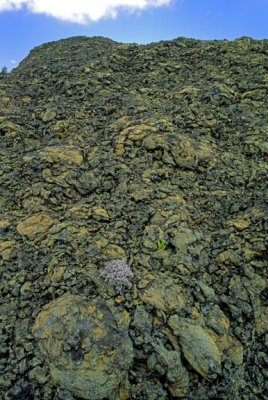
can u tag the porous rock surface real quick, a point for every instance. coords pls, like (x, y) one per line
(155, 156)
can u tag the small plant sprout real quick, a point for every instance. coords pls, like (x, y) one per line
(161, 244)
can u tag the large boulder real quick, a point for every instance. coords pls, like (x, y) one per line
(86, 345)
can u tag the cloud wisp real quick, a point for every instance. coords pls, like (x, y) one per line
(80, 11)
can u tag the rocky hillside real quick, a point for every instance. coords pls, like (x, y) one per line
(133, 260)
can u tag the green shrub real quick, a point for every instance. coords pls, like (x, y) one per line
(4, 71)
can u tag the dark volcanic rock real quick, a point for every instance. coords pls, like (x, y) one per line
(87, 350)
(155, 155)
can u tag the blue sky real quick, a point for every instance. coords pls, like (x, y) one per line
(25, 24)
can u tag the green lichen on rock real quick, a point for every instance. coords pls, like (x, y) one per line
(87, 351)
(108, 151)
(198, 346)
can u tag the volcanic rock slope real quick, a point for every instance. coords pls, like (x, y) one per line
(148, 158)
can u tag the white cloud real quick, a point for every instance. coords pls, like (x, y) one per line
(80, 11)
(14, 61)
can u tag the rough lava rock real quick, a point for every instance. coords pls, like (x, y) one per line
(157, 155)
(86, 346)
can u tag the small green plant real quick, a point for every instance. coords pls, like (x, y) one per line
(3, 71)
(161, 244)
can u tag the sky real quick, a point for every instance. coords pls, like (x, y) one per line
(25, 24)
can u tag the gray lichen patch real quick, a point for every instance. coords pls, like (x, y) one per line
(117, 274)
